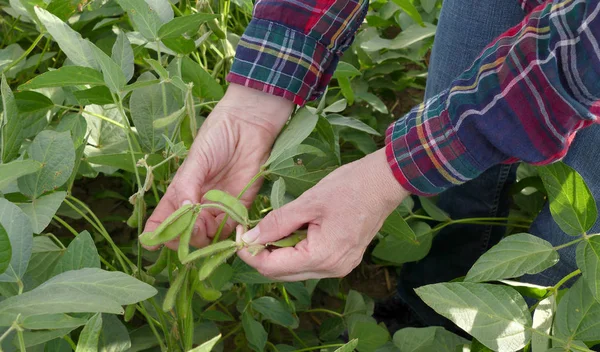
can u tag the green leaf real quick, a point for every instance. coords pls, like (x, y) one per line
(8, 55)
(56, 152)
(577, 316)
(297, 178)
(111, 72)
(428, 5)
(123, 161)
(542, 321)
(65, 76)
(35, 338)
(410, 9)
(30, 102)
(433, 338)
(346, 70)
(162, 8)
(88, 339)
(5, 250)
(158, 68)
(96, 95)
(58, 345)
(122, 54)
(184, 24)
(147, 106)
(12, 171)
(514, 256)
(103, 134)
(497, 316)
(18, 227)
(355, 304)
(294, 152)
(343, 121)
(374, 101)
(370, 336)
(88, 290)
(275, 311)
(255, 332)
(349, 347)
(63, 9)
(208, 345)
(12, 126)
(81, 253)
(331, 329)
(432, 210)
(145, 20)
(571, 202)
(76, 48)
(278, 194)
(404, 249)
(114, 336)
(44, 256)
(205, 86)
(245, 274)
(412, 35)
(338, 106)
(300, 127)
(344, 83)
(41, 210)
(180, 45)
(52, 321)
(588, 260)
(173, 118)
(396, 226)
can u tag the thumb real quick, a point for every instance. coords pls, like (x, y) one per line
(281, 222)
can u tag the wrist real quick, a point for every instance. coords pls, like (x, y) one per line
(264, 110)
(391, 191)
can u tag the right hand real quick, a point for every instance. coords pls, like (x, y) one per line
(232, 144)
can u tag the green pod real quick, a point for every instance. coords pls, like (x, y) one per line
(129, 312)
(139, 211)
(172, 227)
(169, 301)
(133, 219)
(207, 293)
(182, 303)
(160, 264)
(213, 262)
(235, 208)
(184, 239)
(217, 30)
(289, 241)
(208, 251)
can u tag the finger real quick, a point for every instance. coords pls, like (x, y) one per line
(282, 222)
(301, 277)
(280, 262)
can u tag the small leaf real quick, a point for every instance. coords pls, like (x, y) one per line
(410, 9)
(542, 321)
(403, 249)
(90, 335)
(427, 339)
(10, 124)
(432, 210)
(349, 347)
(158, 68)
(5, 250)
(52, 321)
(344, 83)
(275, 311)
(42, 209)
(205, 86)
(346, 70)
(184, 24)
(70, 42)
(514, 256)
(571, 203)
(12, 171)
(56, 152)
(588, 260)
(355, 304)
(343, 121)
(81, 253)
(255, 332)
(180, 45)
(96, 95)
(300, 127)
(370, 336)
(65, 76)
(395, 225)
(114, 336)
(497, 316)
(30, 102)
(338, 106)
(577, 316)
(145, 20)
(208, 345)
(122, 54)
(412, 35)
(278, 194)
(18, 227)
(111, 72)
(331, 329)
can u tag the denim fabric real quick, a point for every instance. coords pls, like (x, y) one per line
(465, 28)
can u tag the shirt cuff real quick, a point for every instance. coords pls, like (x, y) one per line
(281, 61)
(426, 155)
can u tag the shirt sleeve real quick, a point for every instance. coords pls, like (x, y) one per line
(524, 99)
(529, 5)
(291, 47)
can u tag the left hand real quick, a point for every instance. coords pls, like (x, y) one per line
(343, 212)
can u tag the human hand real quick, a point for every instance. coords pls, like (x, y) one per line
(232, 144)
(343, 213)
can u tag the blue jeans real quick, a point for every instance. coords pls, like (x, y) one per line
(465, 27)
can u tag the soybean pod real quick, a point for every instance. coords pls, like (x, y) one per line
(169, 301)
(185, 237)
(213, 262)
(216, 28)
(208, 251)
(172, 227)
(207, 293)
(289, 241)
(160, 264)
(235, 208)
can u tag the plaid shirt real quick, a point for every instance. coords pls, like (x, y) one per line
(523, 99)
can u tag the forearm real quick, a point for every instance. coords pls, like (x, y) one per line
(523, 99)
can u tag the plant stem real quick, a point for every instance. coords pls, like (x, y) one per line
(7, 332)
(333, 345)
(297, 338)
(24, 55)
(102, 117)
(323, 310)
(565, 279)
(568, 244)
(65, 225)
(70, 341)
(21, 340)
(144, 312)
(233, 331)
(56, 240)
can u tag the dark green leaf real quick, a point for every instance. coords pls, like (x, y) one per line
(29, 102)
(331, 328)
(571, 202)
(184, 24)
(577, 316)
(81, 253)
(396, 226)
(52, 321)
(205, 87)
(5, 250)
(180, 45)
(145, 19)
(10, 124)
(255, 333)
(349, 347)
(300, 127)
(345, 69)
(96, 95)
(65, 76)
(432, 210)
(403, 249)
(274, 311)
(588, 260)
(408, 7)
(343, 121)
(370, 336)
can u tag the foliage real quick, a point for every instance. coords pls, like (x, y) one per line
(117, 90)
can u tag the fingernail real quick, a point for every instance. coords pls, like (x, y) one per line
(251, 236)
(186, 202)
